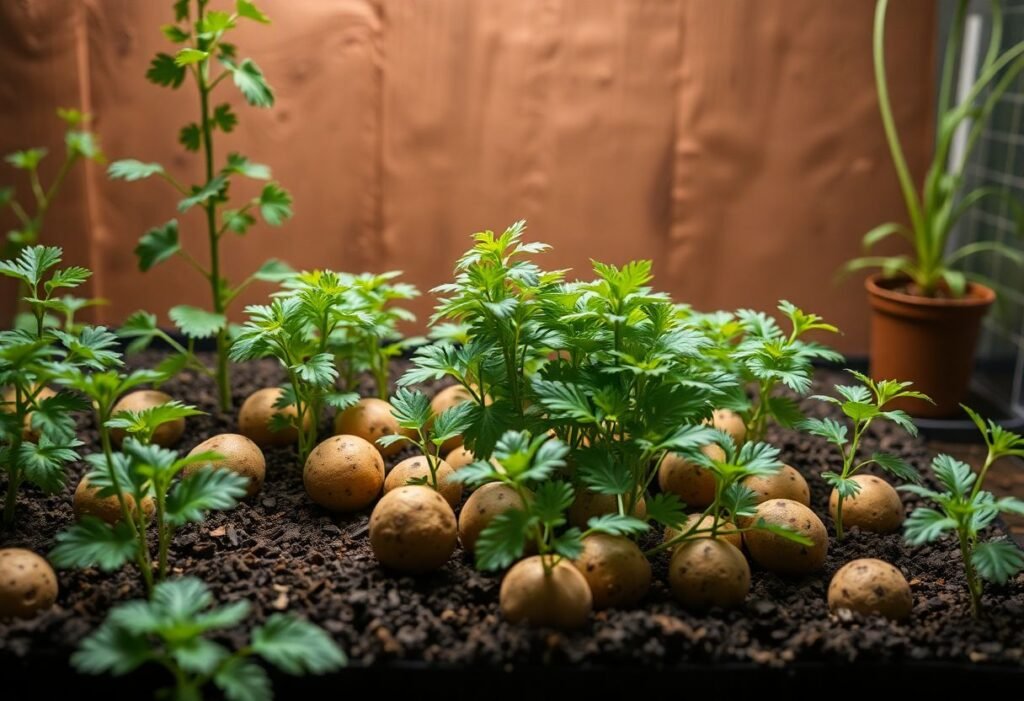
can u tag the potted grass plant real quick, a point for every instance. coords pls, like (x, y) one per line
(926, 309)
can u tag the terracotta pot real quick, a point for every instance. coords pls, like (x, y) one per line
(927, 341)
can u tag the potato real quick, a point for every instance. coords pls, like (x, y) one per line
(370, 419)
(775, 553)
(416, 467)
(241, 455)
(343, 473)
(87, 502)
(787, 483)
(559, 599)
(166, 435)
(615, 569)
(10, 404)
(876, 508)
(446, 399)
(255, 415)
(459, 458)
(869, 586)
(413, 529)
(730, 422)
(709, 572)
(726, 530)
(28, 584)
(588, 504)
(481, 507)
(689, 481)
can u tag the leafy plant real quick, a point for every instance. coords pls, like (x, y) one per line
(938, 206)
(171, 630)
(863, 404)
(296, 328)
(413, 412)
(754, 347)
(529, 465)
(966, 509)
(37, 425)
(202, 31)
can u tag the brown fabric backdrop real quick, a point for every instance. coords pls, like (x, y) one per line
(735, 142)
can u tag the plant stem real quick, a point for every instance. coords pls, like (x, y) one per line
(11, 500)
(973, 583)
(14, 475)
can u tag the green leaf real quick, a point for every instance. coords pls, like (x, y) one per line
(237, 221)
(43, 462)
(146, 421)
(829, 429)
(206, 489)
(237, 163)
(550, 501)
(275, 204)
(181, 10)
(189, 56)
(411, 408)
(131, 169)
(860, 411)
(245, 8)
(615, 524)
(31, 264)
(93, 543)
(243, 680)
(224, 118)
(157, 245)
(925, 525)
(896, 466)
(847, 487)
(274, 270)
(568, 544)
(785, 411)
(165, 71)
(666, 509)
(955, 475)
(67, 278)
(452, 422)
(195, 322)
(26, 160)
(318, 370)
(602, 473)
(213, 189)
(174, 33)
(503, 541)
(190, 137)
(83, 144)
(198, 655)
(250, 81)
(296, 646)
(111, 649)
(902, 419)
(6, 195)
(883, 231)
(216, 22)
(997, 561)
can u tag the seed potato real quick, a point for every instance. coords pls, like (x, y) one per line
(413, 530)
(87, 502)
(241, 456)
(370, 419)
(344, 473)
(876, 508)
(254, 419)
(416, 468)
(166, 435)
(730, 422)
(615, 569)
(28, 584)
(9, 404)
(775, 553)
(787, 483)
(869, 586)
(689, 481)
(459, 458)
(588, 504)
(709, 572)
(727, 531)
(481, 507)
(561, 599)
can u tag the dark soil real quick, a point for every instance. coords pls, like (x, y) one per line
(282, 553)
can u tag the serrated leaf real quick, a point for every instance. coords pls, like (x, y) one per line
(224, 118)
(206, 489)
(94, 543)
(190, 137)
(28, 159)
(194, 322)
(237, 163)
(250, 81)
(275, 204)
(237, 221)
(189, 56)
(666, 509)
(616, 524)
(296, 646)
(274, 270)
(243, 680)
(157, 245)
(997, 561)
(165, 71)
(503, 541)
(247, 9)
(111, 649)
(925, 525)
(174, 33)
(130, 169)
(200, 196)
(896, 466)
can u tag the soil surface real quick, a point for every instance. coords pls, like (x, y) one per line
(282, 553)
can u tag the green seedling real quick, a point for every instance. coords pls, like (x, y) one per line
(171, 630)
(966, 509)
(210, 60)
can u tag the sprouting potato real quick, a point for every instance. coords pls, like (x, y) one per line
(588, 504)
(416, 468)
(87, 502)
(709, 572)
(255, 415)
(413, 529)
(560, 599)
(726, 531)
(481, 507)
(166, 435)
(876, 508)
(869, 586)
(730, 422)
(775, 553)
(693, 484)
(9, 401)
(787, 483)
(344, 473)
(28, 584)
(370, 419)
(241, 456)
(615, 569)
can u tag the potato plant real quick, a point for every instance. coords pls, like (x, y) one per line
(863, 404)
(171, 629)
(966, 509)
(210, 60)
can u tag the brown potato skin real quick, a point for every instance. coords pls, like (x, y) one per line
(370, 418)
(787, 483)
(9, 401)
(615, 569)
(481, 507)
(876, 508)
(86, 502)
(690, 482)
(241, 455)
(255, 414)
(588, 504)
(166, 435)
(28, 584)
(783, 556)
(416, 467)
(560, 600)
(709, 572)
(344, 473)
(730, 422)
(726, 530)
(413, 530)
(459, 458)
(869, 586)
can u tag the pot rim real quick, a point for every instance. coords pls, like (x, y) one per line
(978, 295)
